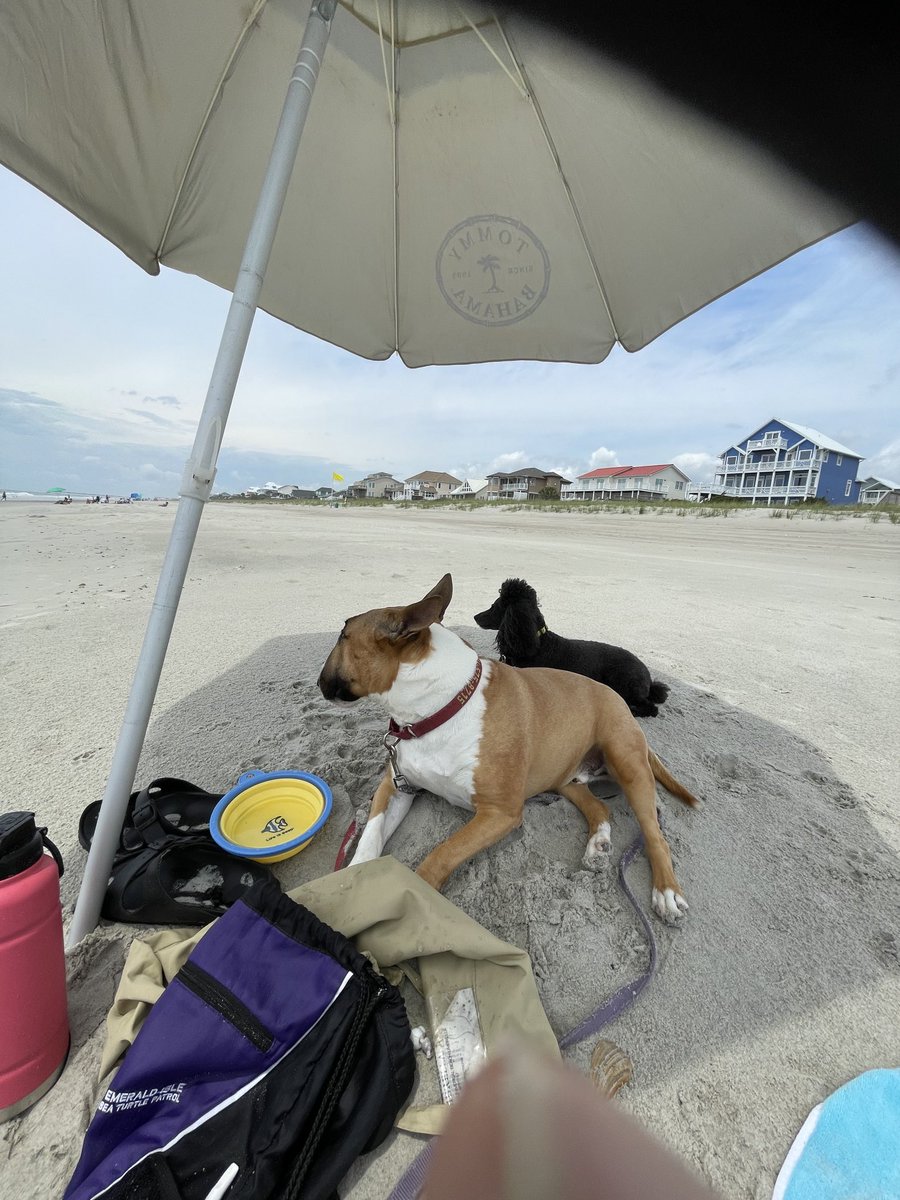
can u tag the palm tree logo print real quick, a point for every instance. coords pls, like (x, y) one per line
(491, 263)
(492, 270)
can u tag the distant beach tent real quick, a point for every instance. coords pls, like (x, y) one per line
(136, 496)
(523, 200)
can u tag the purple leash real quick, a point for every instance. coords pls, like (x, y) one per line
(411, 1182)
(619, 1001)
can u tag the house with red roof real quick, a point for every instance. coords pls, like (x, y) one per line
(657, 481)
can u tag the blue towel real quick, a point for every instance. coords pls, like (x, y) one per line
(849, 1146)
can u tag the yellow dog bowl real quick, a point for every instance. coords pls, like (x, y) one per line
(271, 815)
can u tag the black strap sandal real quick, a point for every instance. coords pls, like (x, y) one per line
(167, 808)
(87, 825)
(186, 882)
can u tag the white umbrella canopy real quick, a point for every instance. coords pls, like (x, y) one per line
(468, 188)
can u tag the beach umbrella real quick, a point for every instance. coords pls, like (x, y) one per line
(469, 188)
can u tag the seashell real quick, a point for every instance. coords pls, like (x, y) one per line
(611, 1068)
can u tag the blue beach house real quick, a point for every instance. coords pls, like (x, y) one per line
(782, 463)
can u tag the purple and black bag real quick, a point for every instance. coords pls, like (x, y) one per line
(273, 1059)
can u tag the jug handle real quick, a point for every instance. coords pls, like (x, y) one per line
(53, 850)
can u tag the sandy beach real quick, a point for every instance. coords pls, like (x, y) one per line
(780, 640)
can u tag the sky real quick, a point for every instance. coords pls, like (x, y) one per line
(103, 372)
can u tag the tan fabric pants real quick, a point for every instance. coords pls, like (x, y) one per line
(394, 918)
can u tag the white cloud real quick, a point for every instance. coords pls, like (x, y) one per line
(152, 470)
(885, 464)
(697, 465)
(510, 461)
(171, 401)
(603, 458)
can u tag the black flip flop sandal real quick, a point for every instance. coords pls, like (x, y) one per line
(166, 808)
(186, 882)
(87, 825)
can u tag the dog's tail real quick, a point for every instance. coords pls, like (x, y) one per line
(669, 782)
(656, 694)
(659, 692)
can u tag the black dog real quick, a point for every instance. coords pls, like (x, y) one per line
(524, 640)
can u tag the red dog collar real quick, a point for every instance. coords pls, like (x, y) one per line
(402, 732)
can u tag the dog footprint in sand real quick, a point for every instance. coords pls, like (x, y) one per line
(838, 793)
(884, 945)
(841, 795)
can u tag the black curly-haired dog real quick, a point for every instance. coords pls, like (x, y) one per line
(523, 640)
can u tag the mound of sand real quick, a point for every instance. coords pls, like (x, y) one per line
(783, 982)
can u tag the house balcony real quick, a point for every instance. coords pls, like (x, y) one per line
(761, 493)
(789, 463)
(779, 443)
(769, 469)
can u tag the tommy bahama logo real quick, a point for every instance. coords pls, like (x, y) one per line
(276, 825)
(492, 270)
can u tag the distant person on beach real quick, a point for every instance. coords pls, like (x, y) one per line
(4, 495)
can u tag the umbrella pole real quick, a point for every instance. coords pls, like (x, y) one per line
(200, 470)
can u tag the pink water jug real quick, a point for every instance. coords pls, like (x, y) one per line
(34, 1021)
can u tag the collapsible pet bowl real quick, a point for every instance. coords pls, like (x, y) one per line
(271, 815)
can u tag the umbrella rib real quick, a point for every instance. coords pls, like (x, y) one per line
(395, 56)
(249, 22)
(391, 86)
(551, 146)
(519, 83)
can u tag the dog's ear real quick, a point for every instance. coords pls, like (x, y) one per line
(427, 611)
(442, 591)
(518, 634)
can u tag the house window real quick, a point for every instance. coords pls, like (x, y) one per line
(679, 485)
(770, 437)
(658, 483)
(824, 456)
(848, 487)
(839, 459)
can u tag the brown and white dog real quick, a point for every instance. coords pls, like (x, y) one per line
(512, 734)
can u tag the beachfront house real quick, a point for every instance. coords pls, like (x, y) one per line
(874, 490)
(293, 491)
(657, 481)
(782, 463)
(526, 483)
(474, 489)
(380, 485)
(428, 485)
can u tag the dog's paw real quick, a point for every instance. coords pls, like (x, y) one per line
(596, 854)
(421, 1041)
(669, 905)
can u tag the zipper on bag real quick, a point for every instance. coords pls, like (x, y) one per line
(208, 989)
